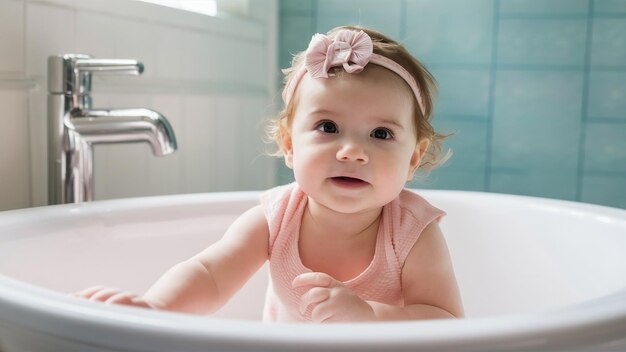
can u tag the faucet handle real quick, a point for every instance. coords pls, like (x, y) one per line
(70, 74)
(113, 66)
(84, 67)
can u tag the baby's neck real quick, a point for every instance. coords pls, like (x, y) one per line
(340, 245)
(323, 220)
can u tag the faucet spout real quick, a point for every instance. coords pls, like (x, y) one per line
(124, 126)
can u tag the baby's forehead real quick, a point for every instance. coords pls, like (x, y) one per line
(375, 87)
(376, 91)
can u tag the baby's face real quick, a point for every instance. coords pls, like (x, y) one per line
(353, 141)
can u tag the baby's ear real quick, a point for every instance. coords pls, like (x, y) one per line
(286, 146)
(416, 158)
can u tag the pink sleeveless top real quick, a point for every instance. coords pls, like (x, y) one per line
(403, 220)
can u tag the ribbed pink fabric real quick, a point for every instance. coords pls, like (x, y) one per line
(403, 220)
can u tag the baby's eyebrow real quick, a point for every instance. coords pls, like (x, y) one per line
(321, 112)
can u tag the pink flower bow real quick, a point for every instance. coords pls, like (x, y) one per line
(349, 49)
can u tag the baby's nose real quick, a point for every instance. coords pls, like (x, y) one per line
(352, 151)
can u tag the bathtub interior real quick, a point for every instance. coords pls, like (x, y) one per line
(511, 254)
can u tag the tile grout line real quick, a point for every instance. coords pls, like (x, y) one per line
(585, 103)
(403, 21)
(492, 92)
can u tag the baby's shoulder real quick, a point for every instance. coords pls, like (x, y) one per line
(410, 204)
(409, 214)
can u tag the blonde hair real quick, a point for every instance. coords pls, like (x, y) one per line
(278, 126)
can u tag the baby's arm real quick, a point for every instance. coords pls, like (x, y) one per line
(203, 283)
(429, 286)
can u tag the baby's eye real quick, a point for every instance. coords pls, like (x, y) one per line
(382, 133)
(327, 127)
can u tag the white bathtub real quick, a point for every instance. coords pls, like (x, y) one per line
(535, 274)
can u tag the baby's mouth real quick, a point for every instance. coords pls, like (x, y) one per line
(348, 181)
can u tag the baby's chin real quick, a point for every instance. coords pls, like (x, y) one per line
(349, 205)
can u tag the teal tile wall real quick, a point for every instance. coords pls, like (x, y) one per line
(534, 91)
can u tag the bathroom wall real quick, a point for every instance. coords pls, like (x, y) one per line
(535, 91)
(213, 77)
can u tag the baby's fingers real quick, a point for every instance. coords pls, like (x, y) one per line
(313, 279)
(104, 294)
(123, 297)
(88, 292)
(315, 295)
(128, 299)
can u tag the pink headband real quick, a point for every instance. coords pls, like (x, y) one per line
(350, 49)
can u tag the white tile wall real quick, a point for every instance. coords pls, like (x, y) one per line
(226, 64)
(49, 31)
(227, 109)
(94, 36)
(212, 77)
(11, 36)
(168, 52)
(38, 123)
(199, 159)
(15, 170)
(254, 156)
(198, 56)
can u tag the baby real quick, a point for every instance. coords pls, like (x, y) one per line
(346, 241)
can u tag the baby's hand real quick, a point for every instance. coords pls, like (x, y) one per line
(334, 302)
(113, 296)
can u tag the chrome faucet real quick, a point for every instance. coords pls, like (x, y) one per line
(73, 126)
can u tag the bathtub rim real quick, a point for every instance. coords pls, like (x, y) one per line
(584, 323)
